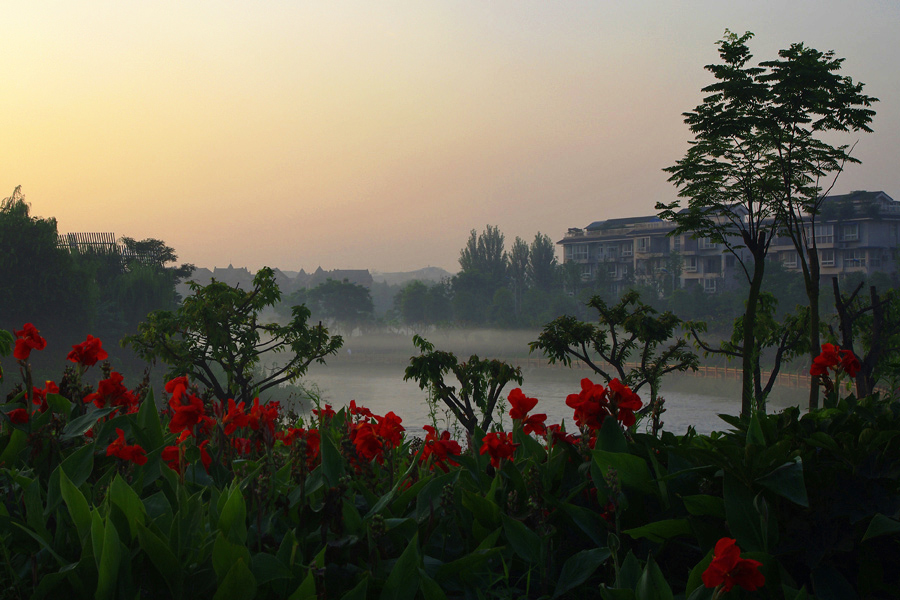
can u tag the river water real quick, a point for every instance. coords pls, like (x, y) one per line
(690, 401)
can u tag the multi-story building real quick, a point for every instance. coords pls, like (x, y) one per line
(856, 232)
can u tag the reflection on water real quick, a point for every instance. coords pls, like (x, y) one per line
(689, 400)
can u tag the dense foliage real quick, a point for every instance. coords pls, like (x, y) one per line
(106, 496)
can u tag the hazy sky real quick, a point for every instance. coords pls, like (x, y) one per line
(377, 134)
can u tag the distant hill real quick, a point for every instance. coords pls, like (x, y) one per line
(432, 274)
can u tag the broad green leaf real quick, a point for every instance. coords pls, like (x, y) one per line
(121, 494)
(615, 593)
(755, 433)
(233, 517)
(743, 518)
(239, 583)
(162, 558)
(403, 581)
(610, 438)
(77, 427)
(17, 442)
(631, 470)
(588, 521)
(524, 541)
(108, 569)
(486, 512)
(332, 463)
(661, 531)
(34, 509)
(695, 580)
(59, 404)
(430, 588)
(266, 568)
(787, 481)
(578, 568)
(430, 496)
(630, 572)
(78, 506)
(652, 584)
(149, 429)
(881, 525)
(358, 592)
(702, 505)
(306, 590)
(225, 554)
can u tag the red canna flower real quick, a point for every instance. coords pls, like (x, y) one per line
(521, 404)
(234, 417)
(88, 352)
(728, 569)
(18, 415)
(205, 458)
(389, 429)
(557, 434)
(439, 449)
(499, 446)
(535, 424)
(39, 396)
(324, 414)
(118, 448)
(833, 357)
(365, 438)
(591, 404)
(177, 387)
(359, 411)
(185, 416)
(623, 402)
(263, 415)
(111, 392)
(28, 339)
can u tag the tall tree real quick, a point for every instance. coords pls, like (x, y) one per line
(542, 264)
(808, 102)
(483, 264)
(519, 257)
(727, 178)
(758, 164)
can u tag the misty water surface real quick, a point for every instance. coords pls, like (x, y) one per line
(689, 400)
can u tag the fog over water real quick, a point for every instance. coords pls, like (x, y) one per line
(369, 369)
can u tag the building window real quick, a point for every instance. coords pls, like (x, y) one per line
(643, 244)
(707, 244)
(627, 249)
(690, 264)
(578, 252)
(826, 258)
(611, 270)
(585, 272)
(709, 285)
(789, 259)
(850, 233)
(854, 258)
(676, 243)
(824, 234)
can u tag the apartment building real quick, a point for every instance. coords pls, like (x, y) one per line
(855, 232)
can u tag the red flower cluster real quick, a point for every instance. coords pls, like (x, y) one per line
(18, 415)
(39, 396)
(88, 352)
(728, 569)
(833, 357)
(373, 435)
(28, 339)
(111, 392)
(499, 446)
(594, 403)
(521, 405)
(173, 456)
(440, 449)
(118, 448)
(309, 436)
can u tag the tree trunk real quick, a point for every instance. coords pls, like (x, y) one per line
(750, 358)
(815, 347)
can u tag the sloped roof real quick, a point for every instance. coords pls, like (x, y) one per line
(618, 223)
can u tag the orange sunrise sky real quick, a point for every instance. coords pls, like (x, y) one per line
(377, 134)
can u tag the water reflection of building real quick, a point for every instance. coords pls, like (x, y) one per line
(857, 232)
